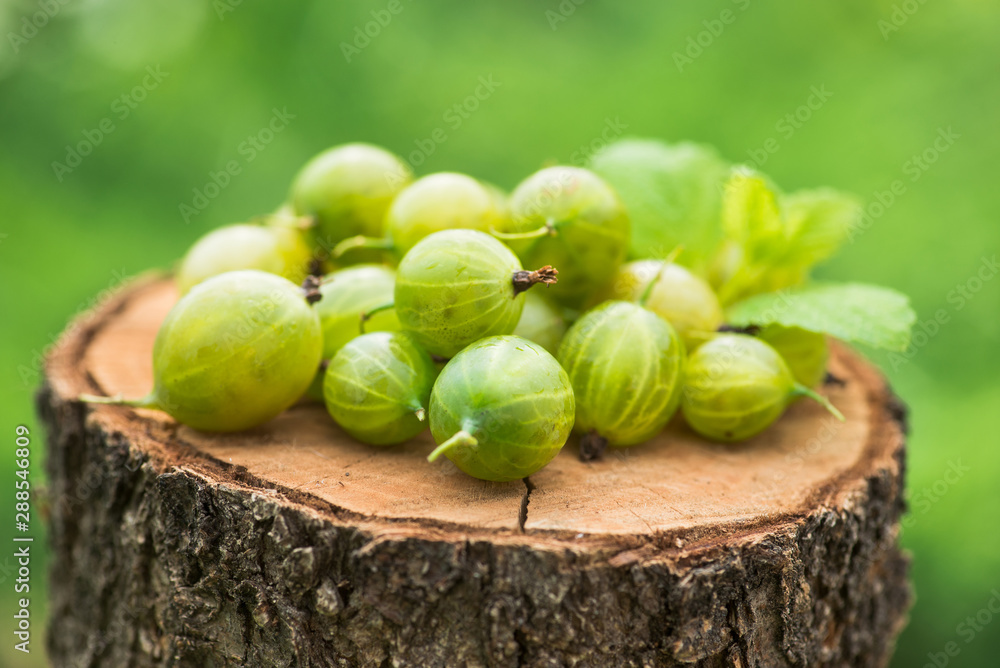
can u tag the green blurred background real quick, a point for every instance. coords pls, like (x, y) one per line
(199, 79)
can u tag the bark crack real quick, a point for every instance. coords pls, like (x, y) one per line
(741, 643)
(522, 515)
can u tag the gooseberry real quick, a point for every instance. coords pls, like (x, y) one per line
(569, 218)
(626, 365)
(736, 386)
(684, 300)
(348, 190)
(501, 199)
(347, 295)
(279, 250)
(501, 409)
(377, 387)
(285, 216)
(443, 201)
(457, 286)
(235, 351)
(541, 322)
(806, 353)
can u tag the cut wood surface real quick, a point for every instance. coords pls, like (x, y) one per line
(292, 544)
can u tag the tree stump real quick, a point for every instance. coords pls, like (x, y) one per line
(292, 545)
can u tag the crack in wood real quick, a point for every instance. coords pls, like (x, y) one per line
(522, 515)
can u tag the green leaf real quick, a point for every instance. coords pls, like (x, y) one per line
(673, 194)
(754, 237)
(750, 210)
(868, 314)
(774, 240)
(818, 223)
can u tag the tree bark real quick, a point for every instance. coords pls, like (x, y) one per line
(291, 545)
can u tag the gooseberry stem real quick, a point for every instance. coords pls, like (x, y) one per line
(460, 438)
(803, 391)
(367, 315)
(525, 279)
(750, 330)
(118, 400)
(421, 414)
(592, 446)
(310, 287)
(361, 241)
(547, 230)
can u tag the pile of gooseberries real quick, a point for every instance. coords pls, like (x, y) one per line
(502, 323)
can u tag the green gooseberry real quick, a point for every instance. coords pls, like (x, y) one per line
(806, 353)
(378, 386)
(285, 216)
(569, 218)
(501, 409)
(348, 294)
(348, 190)
(501, 199)
(626, 364)
(736, 386)
(235, 351)
(683, 299)
(443, 201)
(277, 250)
(458, 286)
(541, 322)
